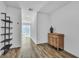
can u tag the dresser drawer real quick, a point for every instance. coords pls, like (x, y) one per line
(56, 40)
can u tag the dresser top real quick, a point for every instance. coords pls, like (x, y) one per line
(58, 34)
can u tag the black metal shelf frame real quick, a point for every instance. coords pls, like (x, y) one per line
(7, 27)
(6, 20)
(6, 46)
(6, 40)
(6, 34)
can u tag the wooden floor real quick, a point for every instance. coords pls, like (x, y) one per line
(47, 51)
(32, 50)
(13, 53)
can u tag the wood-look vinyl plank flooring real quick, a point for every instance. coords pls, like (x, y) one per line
(12, 53)
(47, 51)
(32, 50)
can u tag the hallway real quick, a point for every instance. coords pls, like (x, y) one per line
(26, 49)
(33, 29)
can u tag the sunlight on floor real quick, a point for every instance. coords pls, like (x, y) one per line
(26, 49)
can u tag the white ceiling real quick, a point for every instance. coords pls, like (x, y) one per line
(35, 5)
(42, 6)
(53, 6)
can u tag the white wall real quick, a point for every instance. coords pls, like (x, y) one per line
(66, 21)
(40, 27)
(34, 27)
(2, 9)
(15, 15)
(43, 25)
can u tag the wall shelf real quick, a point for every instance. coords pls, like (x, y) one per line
(6, 34)
(6, 47)
(6, 20)
(3, 13)
(7, 27)
(7, 40)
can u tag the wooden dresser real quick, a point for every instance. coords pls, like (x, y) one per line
(56, 40)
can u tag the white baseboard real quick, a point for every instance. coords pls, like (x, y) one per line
(41, 42)
(71, 52)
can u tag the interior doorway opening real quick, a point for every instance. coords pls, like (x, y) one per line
(25, 42)
(26, 47)
(26, 33)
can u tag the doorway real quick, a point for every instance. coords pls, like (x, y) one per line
(25, 31)
(26, 45)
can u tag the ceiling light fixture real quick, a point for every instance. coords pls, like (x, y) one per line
(30, 9)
